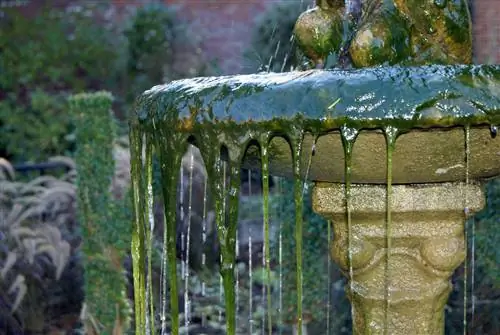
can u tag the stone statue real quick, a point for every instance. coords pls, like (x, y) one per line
(374, 32)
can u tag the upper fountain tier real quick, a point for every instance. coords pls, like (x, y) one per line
(426, 103)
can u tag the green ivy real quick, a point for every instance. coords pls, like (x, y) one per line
(105, 222)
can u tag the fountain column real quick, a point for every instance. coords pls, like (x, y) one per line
(411, 280)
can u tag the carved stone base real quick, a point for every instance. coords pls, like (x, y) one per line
(406, 289)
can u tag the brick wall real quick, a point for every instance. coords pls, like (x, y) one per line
(486, 31)
(223, 28)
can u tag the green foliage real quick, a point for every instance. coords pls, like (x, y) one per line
(105, 222)
(273, 47)
(156, 40)
(151, 36)
(42, 59)
(84, 47)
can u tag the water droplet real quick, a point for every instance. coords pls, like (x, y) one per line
(440, 3)
(233, 192)
(493, 131)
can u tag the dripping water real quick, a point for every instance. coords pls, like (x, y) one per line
(280, 261)
(390, 135)
(237, 273)
(348, 138)
(266, 254)
(204, 241)
(264, 287)
(183, 235)
(250, 275)
(328, 279)
(300, 188)
(466, 232)
(297, 141)
(305, 185)
(163, 279)
(224, 203)
(493, 131)
(150, 318)
(186, 273)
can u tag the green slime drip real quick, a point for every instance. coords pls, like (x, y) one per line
(210, 143)
(150, 322)
(170, 145)
(391, 134)
(296, 138)
(264, 145)
(138, 233)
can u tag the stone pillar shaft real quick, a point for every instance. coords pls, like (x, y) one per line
(411, 281)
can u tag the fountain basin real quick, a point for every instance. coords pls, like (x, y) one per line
(429, 105)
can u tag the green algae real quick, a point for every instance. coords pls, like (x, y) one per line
(264, 154)
(149, 299)
(367, 98)
(170, 145)
(296, 137)
(138, 239)
(388, 32)
(230, 112)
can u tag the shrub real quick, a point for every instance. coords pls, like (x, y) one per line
(105, 222)
(82, 47)
(54, 54)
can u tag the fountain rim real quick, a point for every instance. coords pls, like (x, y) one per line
(326, 100)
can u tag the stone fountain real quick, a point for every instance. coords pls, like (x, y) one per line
(397, 142)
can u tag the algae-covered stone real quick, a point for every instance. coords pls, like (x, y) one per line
(441, 30)
(383, 38)
(319, 31)
(410, 32)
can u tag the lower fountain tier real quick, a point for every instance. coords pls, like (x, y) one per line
(399, 266)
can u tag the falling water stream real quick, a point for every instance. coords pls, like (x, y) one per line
(390, 136)
(250, 266)
(267, 253)
(348, 138)
(466, 228)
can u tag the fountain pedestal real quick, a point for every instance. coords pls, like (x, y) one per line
(426, 237)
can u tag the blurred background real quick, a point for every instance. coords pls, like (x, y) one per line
(51, 50)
